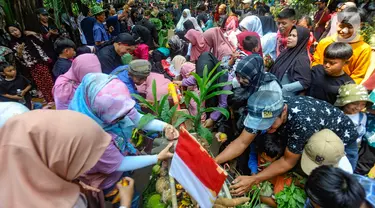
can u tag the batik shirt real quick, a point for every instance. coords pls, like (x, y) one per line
(307, 116)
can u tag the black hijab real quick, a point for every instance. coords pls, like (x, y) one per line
(142, 35)
(209, 60)
(268, 24)
(295, 60)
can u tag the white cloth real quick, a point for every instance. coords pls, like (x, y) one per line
(180, 24)
(252, 24)
(345, 165)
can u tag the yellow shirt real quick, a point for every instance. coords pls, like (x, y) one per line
(359, 62)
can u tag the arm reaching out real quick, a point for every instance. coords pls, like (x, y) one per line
(236, 148)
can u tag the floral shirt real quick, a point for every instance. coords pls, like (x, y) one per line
(26, 58)
(307, 116)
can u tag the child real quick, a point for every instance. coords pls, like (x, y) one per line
(14, 87)
(251, 43)
(352, 99)
(328, 78)
(268, 148)
(66, 50)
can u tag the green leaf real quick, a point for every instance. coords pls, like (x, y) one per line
(223, 111)
(179, 121)
(163, 105)
(193, 95)
(205, 133)
(219, 85)
(205, 72)
(144, 101)
(156, 104)
(171, 113)
(145, 120)
(198, 79)
(217, 93)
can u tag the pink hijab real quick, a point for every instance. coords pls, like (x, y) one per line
(66, 84)
(198, 43)
(216, 41)
(161, 86)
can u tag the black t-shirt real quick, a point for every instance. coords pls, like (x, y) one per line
(87, 26)
(325, 87)
(11, 87)
(109, 59)
(61, 66)
(115, 23)
(307, 116)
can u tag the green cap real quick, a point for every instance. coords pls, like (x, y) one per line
(351, 93)
(96, 10)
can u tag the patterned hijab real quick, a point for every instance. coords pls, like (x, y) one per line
(105, 99)
(40, 157)
(252, 68)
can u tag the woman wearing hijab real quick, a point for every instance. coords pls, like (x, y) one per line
(29, 52)
(252, 24)
(66, 84)
(41, 160)
(198, 44)
(177, 46)
(176, 65)
(185, 15)
(269, 38)
(142, 35)
(219, 45)
(107, 101)
(10, 109)
(345, 27)
(252, 78)
(292, 67)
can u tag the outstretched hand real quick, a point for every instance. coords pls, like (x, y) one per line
(242, 185)
(165, 153)
(171, 132)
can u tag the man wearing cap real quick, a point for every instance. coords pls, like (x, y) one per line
(321, 17)
(324, 148)
(110, 56)
(100, 33)
(49, 31)
(295, 118)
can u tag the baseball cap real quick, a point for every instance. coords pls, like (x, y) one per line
(42, 11)
(323, 148)
(246, 1)
(263, 108)
(125, 38)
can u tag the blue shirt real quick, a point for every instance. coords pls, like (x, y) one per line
(87, 26)
(100, 34)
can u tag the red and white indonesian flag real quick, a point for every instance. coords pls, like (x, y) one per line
(196, 171)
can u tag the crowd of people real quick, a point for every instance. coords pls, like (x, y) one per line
(303, 99)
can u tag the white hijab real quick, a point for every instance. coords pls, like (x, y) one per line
(252, 24)
(180, 24)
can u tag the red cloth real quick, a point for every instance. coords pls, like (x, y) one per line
(141, 51)
(243, 35)
(370, 83)
(281, 43)
(309, 44)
